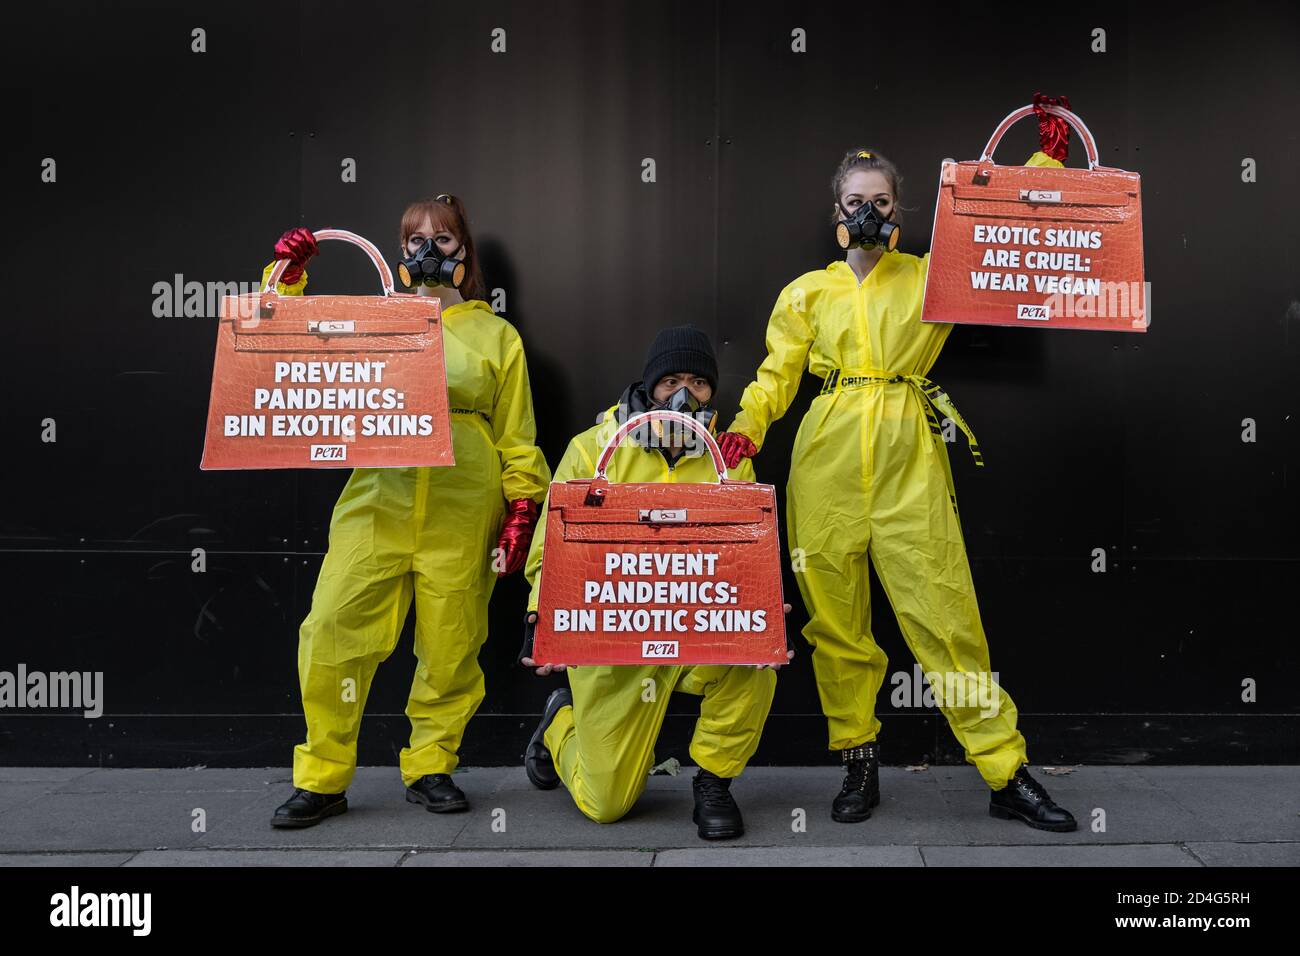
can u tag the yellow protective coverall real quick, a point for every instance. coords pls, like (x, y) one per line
(869, 475)
(603, 746)
(427, 533)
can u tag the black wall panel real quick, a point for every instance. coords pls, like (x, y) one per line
(172, 163)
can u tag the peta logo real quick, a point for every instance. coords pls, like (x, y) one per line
(658, 648)
(329, 452)
(1038, 312)
(103, 909)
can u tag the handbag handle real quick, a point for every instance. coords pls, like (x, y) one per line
(1016, 115)
(385, 276)
(661, 415)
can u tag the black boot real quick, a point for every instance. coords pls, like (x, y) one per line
(861, 790)
(306, 809)
(716, 813)
(537, 759)
(1025, 799)
(437, 793)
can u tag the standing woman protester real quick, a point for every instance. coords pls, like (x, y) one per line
(427, 533)
(870, 476)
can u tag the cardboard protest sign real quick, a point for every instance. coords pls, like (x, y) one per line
(649, 572)
(1038, 246)
(329, 381)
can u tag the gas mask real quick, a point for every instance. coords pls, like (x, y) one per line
(865, 229)
(430, 267)
(636, 399)
(683, 401)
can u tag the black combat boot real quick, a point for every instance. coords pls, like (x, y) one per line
(716, 813)
(437, 793)
(1025, 799)
(306, 809)
(861, 790)
(537, 759)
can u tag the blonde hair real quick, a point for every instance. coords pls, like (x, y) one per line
(866, 158)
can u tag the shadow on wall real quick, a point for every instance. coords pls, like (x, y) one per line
(549, 380)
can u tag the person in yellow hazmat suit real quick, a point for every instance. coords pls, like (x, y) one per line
(870, 478)
(597, 736)
(440, 536)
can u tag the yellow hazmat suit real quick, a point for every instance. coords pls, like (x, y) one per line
(427, 533)
(870, 476)
(603, 746)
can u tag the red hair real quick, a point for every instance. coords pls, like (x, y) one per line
(447, 213)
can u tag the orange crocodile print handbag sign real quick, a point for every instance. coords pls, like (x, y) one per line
(329, 381)
(662, 573)
(1038, 246)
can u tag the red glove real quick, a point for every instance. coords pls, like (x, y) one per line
(296, 245)
(735, 446)
(517, 533)
(1053, 132)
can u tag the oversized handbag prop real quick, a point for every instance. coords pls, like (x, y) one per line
(1037, 246)
(329, 381)
(663, 573)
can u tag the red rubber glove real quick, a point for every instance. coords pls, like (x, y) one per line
(296, 245)
(735, 446)
(1053, 132)
(517, 533)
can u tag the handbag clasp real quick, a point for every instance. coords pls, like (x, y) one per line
(331, 326)
(663, 515)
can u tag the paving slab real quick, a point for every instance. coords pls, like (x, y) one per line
(1233, 807)
(1129, 816)
(17, 794)
(1247, 854)
(792, 856)
(42, 774)
(186, 780)
(513, 858)
(1156, 854)
(115, 821)
(189, 858)
(64, 859)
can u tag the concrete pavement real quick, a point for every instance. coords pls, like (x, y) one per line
(1128, 816)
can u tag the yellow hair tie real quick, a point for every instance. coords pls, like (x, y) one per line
(863, 154)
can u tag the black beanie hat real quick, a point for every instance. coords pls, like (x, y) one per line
(683, 348)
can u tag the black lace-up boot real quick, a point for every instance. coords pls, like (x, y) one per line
(716, 813)
(437, 793)
(861, 790)
(306, 809)
(1025, 799)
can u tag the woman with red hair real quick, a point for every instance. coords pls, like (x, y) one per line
(440, 536)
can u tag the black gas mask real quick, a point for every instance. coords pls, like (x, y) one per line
(864, 228)
(637, 399)
(430, 267)
(683, 401)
